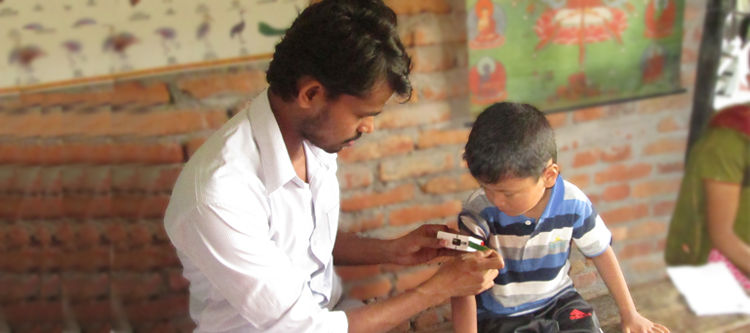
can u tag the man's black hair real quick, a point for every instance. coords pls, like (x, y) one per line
(347, 45)
(509, 140)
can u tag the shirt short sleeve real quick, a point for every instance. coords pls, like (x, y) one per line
(721, 156)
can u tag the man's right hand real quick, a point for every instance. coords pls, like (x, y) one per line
(465, 275)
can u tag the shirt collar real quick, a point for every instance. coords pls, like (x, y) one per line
(556, 198)
(277, 166)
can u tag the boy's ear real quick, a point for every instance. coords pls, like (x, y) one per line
(550, 175)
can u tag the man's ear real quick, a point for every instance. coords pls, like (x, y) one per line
(311, 93)
(550, 175)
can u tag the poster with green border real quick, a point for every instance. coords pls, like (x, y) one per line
(563, 54)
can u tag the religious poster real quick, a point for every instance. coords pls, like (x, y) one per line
(563, 54)
(48, 43)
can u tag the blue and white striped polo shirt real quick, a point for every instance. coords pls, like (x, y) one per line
(535, 251)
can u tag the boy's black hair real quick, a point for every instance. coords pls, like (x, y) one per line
(347, 45)
(509, 140)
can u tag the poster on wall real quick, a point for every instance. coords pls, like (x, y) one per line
(48, 43)
(564, 54)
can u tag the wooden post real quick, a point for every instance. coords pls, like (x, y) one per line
(708, 65)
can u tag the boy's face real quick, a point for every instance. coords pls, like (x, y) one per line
(522, 196)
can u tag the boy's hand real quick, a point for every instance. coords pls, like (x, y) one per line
(639, 324)
(420, 246)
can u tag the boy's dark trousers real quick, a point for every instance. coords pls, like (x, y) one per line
(570, 313)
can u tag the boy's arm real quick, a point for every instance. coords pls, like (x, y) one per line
(632, 322)
(464, 314)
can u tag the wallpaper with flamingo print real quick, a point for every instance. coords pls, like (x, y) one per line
(562, 54)
(48, 43)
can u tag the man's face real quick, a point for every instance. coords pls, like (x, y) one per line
(343, 120)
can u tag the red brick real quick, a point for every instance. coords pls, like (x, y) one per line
(351, 273)
(166, 177)
(150, 153)
(647, 229)
(380, 287)
(669, 124)
(420, 213)
(656, 187)
(449, 184)
(588, 114)
(363, 224)
(438, 58)
(88, 234)
(624, 214)
(664, 207)
(419, 6)
(354, 176)
(50, 286)
(177, 282)
(636, 249)
(671, 167)
(467, 182)
(17, 235)
(441, 86)
(581, 180)
(86, 205)
(368, 200)
(85, 287)
(192, 145)
(557, 120)
(586, 158)
(648, 265)
(138, 93)
(679, 102)
(437, 29)
(622, 172)
(618, 233)
(93, 312)
(139, 205)
(617, 154)
(157, 309)
(435, 138)
(244, 82)
(665, 146)
(392, 145)
(33, 312)
(616, 192)
(584, 280)
(140, 234)
(216, 118)
(96, 123)
(409, 115)
(412, 279)
(415, 165)
(161, 122)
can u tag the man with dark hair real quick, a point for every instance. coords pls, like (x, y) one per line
(530, 216)
(254, 213)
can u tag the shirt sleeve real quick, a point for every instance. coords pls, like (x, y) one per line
(590, 234)
(229, 244)
(721, 157)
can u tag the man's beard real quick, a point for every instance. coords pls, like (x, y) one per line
(311, 131)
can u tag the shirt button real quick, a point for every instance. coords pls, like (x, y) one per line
(528, 222)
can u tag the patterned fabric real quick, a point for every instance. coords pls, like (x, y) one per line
(535, 251)
(716, 256)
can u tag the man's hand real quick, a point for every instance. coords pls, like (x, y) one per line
(639, 324)
(420, 246)
(466, 274)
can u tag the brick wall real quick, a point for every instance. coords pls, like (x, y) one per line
(86, 174)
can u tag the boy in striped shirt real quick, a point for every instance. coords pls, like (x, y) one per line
(526, 212)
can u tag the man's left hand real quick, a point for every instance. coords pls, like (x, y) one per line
(420, 246)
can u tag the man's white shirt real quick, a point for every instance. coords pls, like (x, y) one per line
(254, 239)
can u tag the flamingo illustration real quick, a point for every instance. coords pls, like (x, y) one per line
(168, 38)
(118, 43)
(239, 27)
(74, 48)
(202, 34)
(38, 28)
(134, 2)
(83, 22)
(24, 56)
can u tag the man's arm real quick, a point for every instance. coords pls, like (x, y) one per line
(417, 247)
(464, 275)
(722, 203)
(608, 267)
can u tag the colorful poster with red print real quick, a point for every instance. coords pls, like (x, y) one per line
(564, 54)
